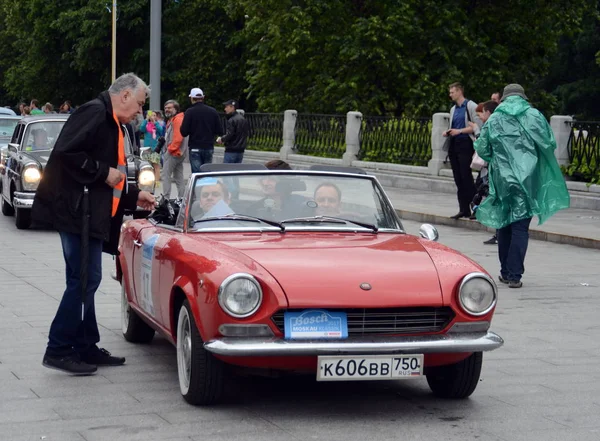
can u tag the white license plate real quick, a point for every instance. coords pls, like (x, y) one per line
(369, 367)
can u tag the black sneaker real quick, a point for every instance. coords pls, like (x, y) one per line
(502, 279)
(102, 357)
(515, 284)
(71, 364)
(491, 241)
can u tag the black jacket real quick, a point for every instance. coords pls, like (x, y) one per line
(236, 138)
(86, 148)
(202, 124)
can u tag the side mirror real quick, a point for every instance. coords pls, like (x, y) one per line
(13, 148)
(429, 232)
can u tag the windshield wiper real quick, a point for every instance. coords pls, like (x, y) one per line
(242, 218)
(331, 220)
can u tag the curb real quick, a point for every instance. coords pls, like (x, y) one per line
(468, 224)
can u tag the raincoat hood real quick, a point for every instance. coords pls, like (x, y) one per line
(524, 177)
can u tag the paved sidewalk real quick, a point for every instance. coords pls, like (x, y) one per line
(573, 226)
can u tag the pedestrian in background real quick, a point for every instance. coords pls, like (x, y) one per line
(484, 111)
(90, 153)
(202, 124)
(461, 150)
(236, 134)
(152, 131)
(48, 108)
(34, 107)
(524, 176)
(175, 152)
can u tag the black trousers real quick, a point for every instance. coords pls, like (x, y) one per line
(461, 154)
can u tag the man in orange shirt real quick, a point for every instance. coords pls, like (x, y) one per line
(177, 147)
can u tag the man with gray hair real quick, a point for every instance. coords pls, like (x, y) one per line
(88, 162)
(176, 150)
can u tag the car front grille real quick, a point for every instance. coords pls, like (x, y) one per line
(387, 320)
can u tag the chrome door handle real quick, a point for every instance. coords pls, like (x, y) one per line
(137, 243)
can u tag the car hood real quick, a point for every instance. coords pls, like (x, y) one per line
(336, 269)
(40, 156)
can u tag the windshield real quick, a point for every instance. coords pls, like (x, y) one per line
(289, 201)
(42, 135)
(7, 127)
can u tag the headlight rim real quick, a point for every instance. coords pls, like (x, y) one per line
(150, 170)
(478, 275)
(232, 278)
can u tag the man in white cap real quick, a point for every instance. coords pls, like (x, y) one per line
(202, 124)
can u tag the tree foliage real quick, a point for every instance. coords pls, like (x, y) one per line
(378, 57)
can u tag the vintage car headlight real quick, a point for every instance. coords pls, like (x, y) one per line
(240, 295)
(31, 178)
(477, 294)
(146, 179)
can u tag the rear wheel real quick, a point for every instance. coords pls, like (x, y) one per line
(201, 376)
(7, 209)
(457, 380)
(134, 328)
(22, 218)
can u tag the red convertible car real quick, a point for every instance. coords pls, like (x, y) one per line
(304, 271)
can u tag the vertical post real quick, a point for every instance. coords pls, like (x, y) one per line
(562, 130)
(113, 71)
(155, 39)
(289, 133)
(353, 125)
(440, 123)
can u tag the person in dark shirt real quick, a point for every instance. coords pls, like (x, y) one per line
(202, 124)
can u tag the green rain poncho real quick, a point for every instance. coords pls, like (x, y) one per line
(524, 177)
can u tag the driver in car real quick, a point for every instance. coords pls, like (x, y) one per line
(328, 197)
(40, 140)
(212, 199)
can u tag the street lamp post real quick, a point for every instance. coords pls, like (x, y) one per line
(155, 39)
(114, 42)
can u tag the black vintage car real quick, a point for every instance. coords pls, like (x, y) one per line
(22, 163)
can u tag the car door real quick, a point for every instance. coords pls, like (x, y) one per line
(147, 250)
(11, 160)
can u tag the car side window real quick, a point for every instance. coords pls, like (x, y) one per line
(17, 133)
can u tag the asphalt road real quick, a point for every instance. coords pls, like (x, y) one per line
(544, 384)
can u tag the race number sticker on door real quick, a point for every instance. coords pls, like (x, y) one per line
(146, 277)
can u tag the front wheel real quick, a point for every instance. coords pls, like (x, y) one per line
(134, 328)
(7, 209)
(457, 380)
(201, 376)
(22, 218)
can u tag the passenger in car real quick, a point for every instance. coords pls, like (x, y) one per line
(278, 201)
(328, 197)
(212, 198)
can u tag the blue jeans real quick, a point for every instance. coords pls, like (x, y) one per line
(512, 247)
(68, 333)
(199, 157)
(233, 157)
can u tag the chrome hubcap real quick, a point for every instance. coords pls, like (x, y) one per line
(184, 350)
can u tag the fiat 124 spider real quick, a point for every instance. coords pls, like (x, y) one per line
(304, 271)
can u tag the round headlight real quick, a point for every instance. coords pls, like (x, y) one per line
(477, 294)
(240, 295)
(146, 177)
(31, 178)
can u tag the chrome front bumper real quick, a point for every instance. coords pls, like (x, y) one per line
(23, 200)
(455, 342)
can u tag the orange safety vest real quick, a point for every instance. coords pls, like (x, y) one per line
(122, 167)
